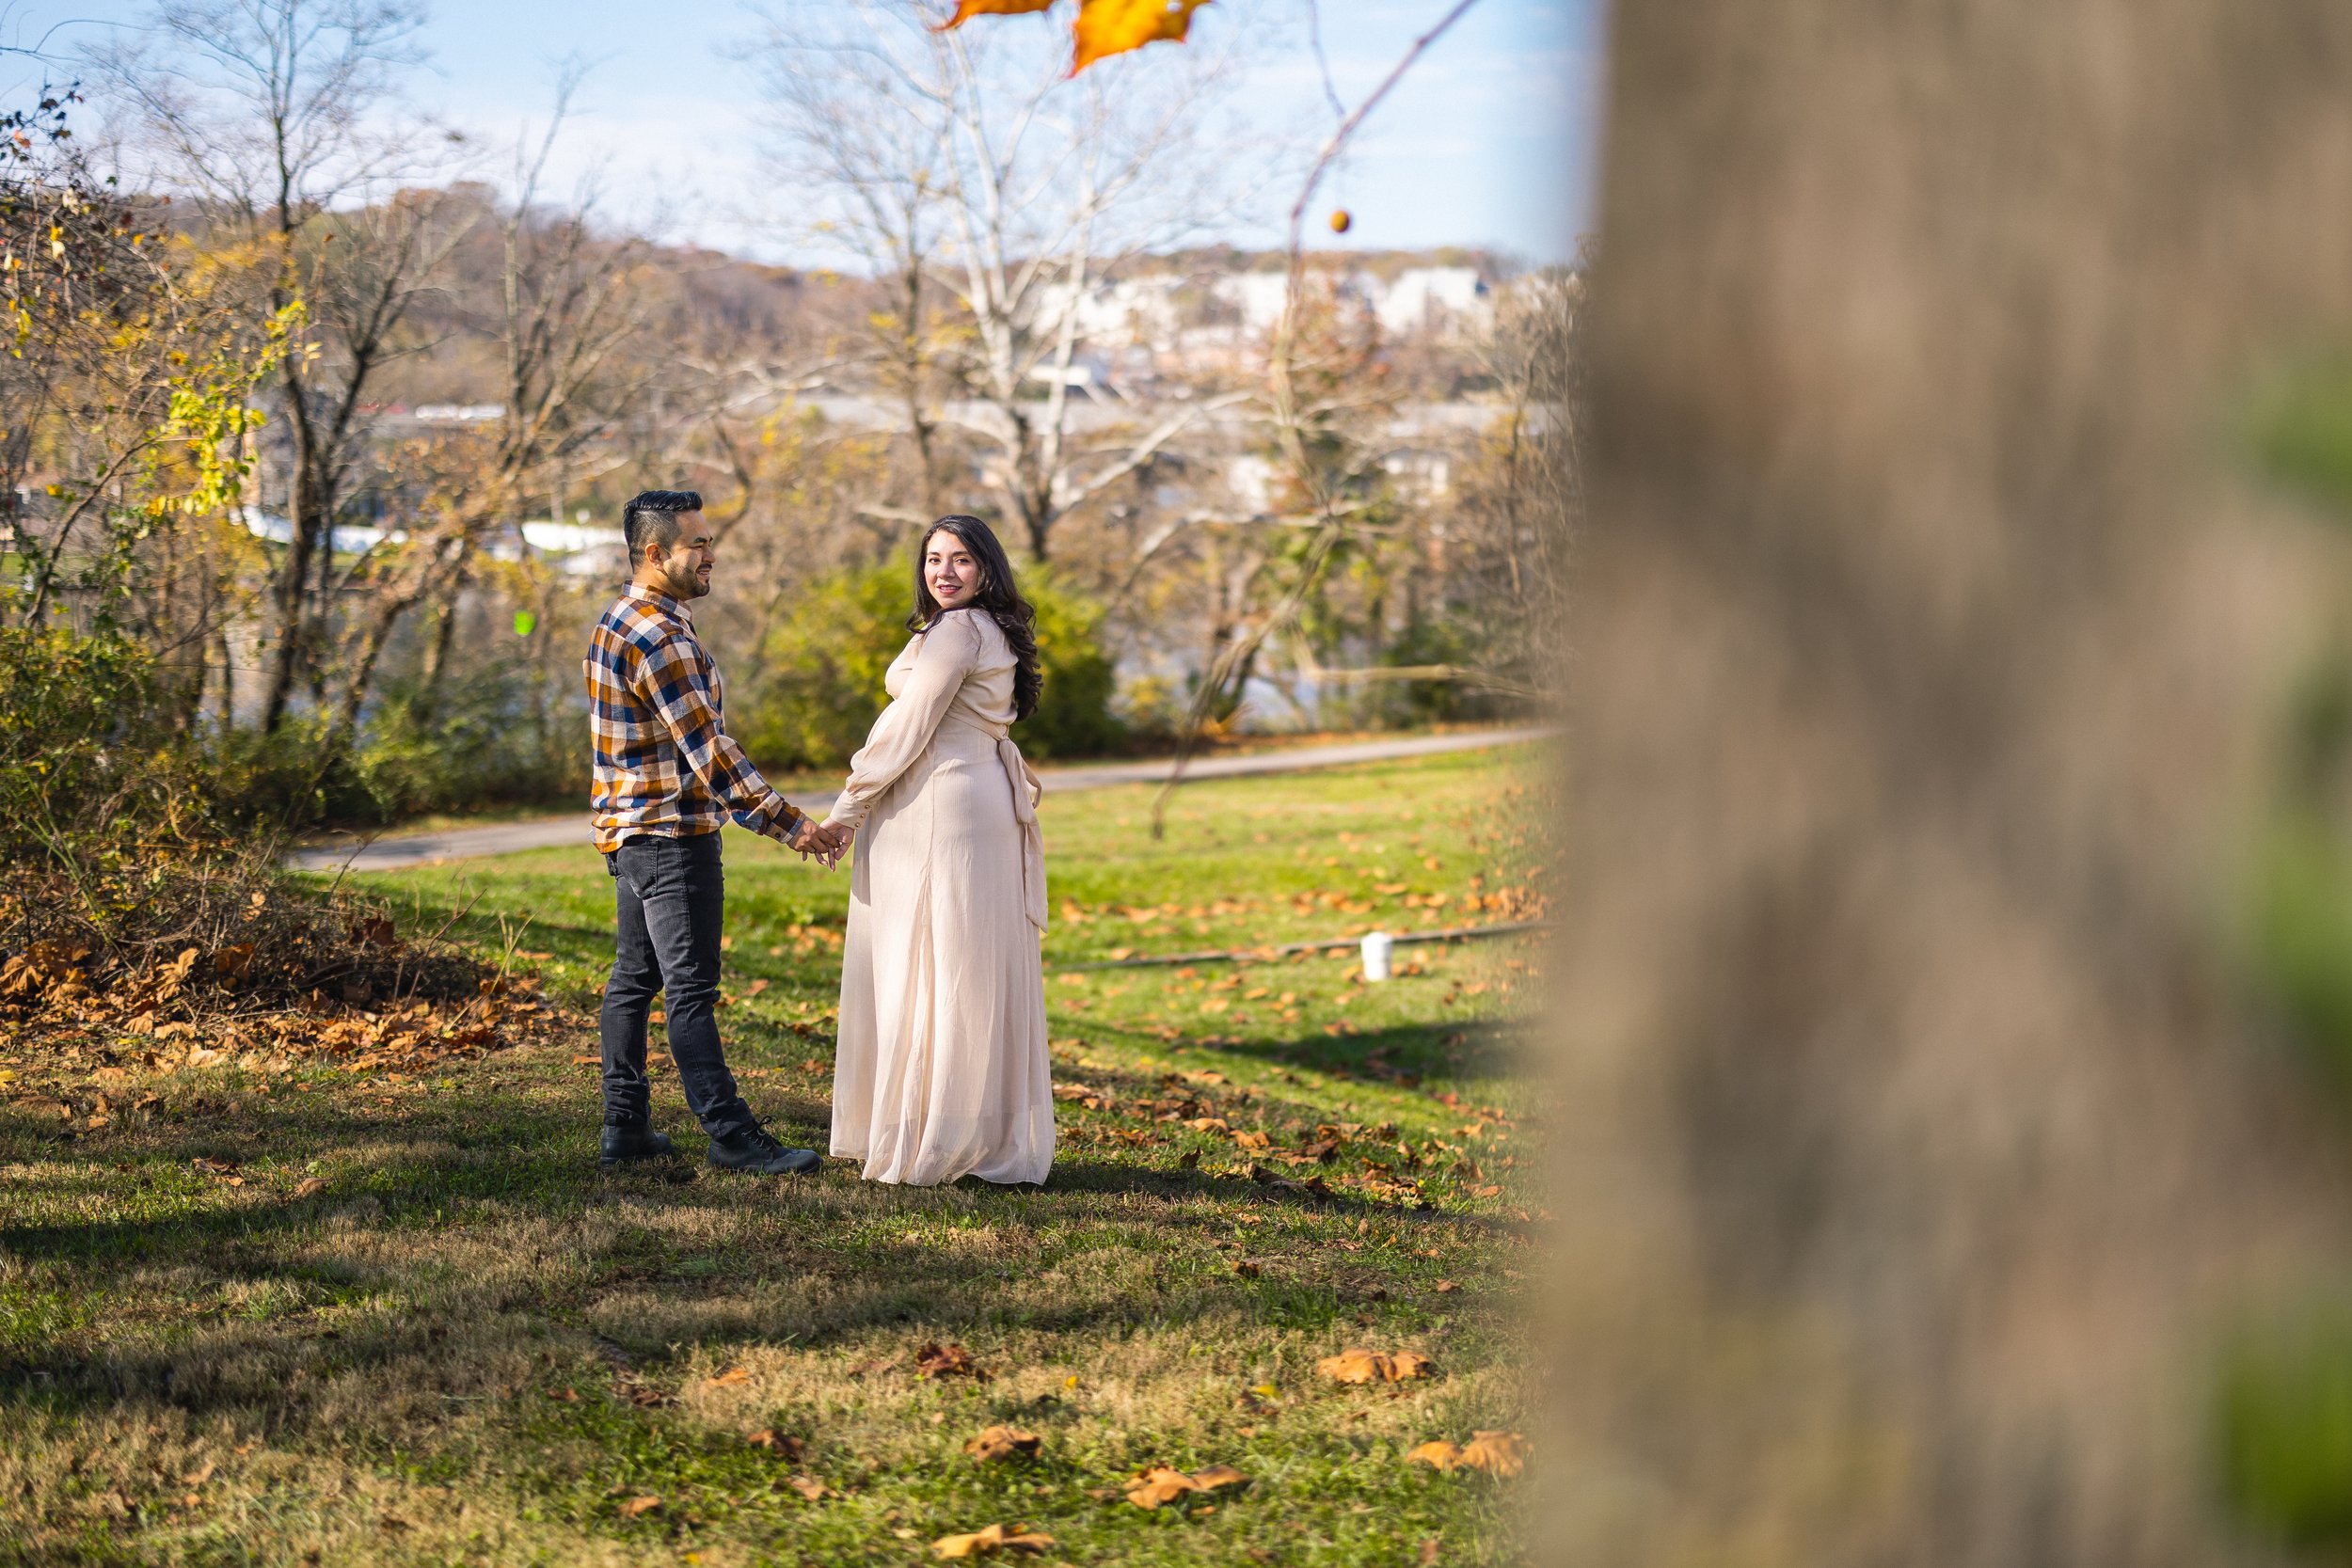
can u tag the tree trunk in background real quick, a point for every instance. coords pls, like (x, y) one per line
(305, 506)
(1922, 1140)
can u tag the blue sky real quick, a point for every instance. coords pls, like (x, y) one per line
(1488, 140)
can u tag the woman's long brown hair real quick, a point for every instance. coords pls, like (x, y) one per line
(999, 596)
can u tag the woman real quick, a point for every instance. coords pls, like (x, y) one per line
(942, 1068)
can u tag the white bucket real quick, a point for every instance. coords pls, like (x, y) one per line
(1376, 947)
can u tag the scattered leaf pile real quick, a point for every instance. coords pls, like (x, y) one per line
(195, 963)
(191, 942)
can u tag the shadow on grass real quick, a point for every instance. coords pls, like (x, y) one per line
(273, 1289)
(441, 1174)
(1401, 1055)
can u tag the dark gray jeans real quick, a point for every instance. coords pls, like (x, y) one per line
(672, 904)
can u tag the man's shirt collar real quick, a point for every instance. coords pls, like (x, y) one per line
(661, 601)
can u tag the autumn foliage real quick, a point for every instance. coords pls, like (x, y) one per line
(1102, 28)
(133, 917)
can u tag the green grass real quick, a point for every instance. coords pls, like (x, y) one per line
(467, 1346)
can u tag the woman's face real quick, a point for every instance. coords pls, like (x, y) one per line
(949, 570)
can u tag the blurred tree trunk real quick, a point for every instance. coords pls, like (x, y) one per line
(1923, 1136)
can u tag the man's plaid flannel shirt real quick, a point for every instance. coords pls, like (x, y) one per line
(665, 764)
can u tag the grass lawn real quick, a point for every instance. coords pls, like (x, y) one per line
(307, 1315)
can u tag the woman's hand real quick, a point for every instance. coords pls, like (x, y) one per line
(818, 841)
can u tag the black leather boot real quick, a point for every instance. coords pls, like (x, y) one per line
(758, 1152)
(628, 1142)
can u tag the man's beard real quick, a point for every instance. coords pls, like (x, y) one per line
(689, 585)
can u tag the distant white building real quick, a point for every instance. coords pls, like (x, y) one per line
(1423, 298)
(576, 550)
(1250, 478)
(1258, 295)
(344, 539)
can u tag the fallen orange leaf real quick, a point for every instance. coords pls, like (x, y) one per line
(1498, 1453)
(947, 1361)
(774, 1441)
(996, 1538)
(732, 1375)
(636, 1506)
(1001, 1442)
(1160, 1484)
(1365, 1366)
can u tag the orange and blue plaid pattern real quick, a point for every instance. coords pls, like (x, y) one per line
(665, 764)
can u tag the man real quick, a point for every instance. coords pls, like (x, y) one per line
(667, 777)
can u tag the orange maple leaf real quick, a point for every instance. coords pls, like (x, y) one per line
(968, 9)
(1106, 28)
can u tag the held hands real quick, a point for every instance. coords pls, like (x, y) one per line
(826, 841)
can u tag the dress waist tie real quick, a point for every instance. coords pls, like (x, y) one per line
(1027, 790)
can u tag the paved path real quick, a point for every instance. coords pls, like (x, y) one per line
(505, 838)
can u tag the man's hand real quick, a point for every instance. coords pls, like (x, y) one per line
(811, 840)
(819, 840)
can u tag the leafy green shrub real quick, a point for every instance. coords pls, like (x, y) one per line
(1425, 702)
(1074, 717)
(115, 828)
(817, 687)
(2303, 935)
(1152, 707)
(818, 683)
(89, 766)
(2284, 1430)
(2298, 426)
(2300, 926)
(473, 743)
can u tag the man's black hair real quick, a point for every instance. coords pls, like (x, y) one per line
(651, 517)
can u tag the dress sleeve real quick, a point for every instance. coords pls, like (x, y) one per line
(950, 648)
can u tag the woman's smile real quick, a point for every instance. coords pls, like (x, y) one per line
(950, 571)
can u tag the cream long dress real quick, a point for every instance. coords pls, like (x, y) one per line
(942, 1070)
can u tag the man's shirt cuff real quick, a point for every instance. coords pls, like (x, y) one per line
(778, 822)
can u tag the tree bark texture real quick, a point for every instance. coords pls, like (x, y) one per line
(1925, 1131)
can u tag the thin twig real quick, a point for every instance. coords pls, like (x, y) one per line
(1286, 416)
